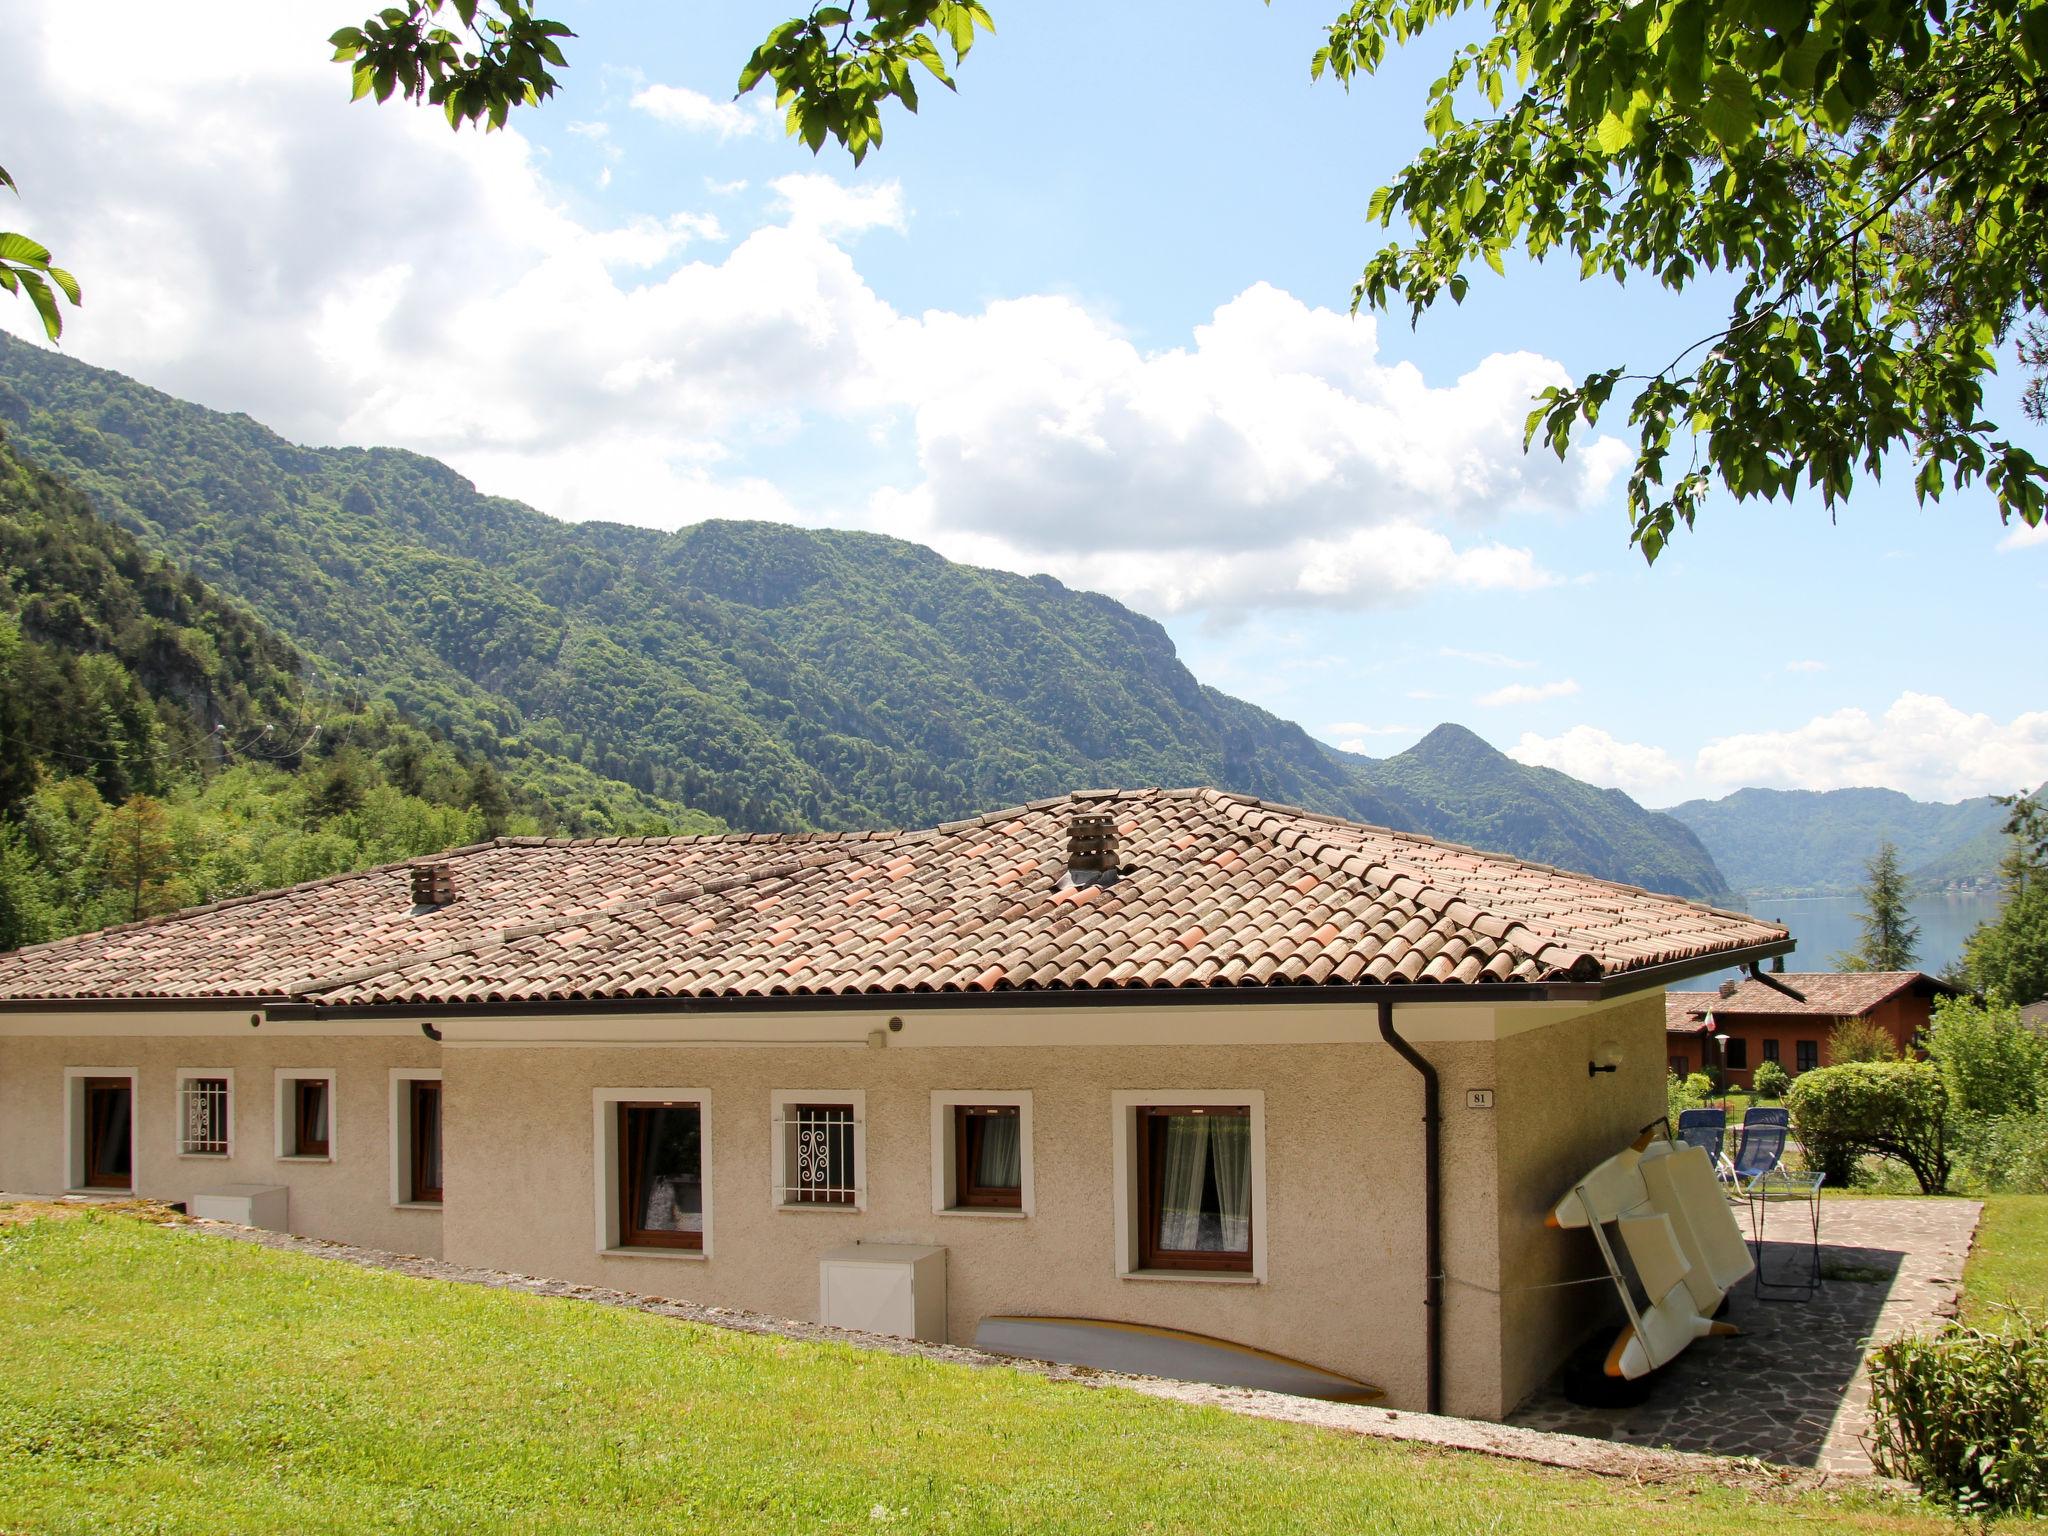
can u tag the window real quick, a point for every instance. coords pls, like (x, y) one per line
(988, 1147)
(1737, 1054)
(1770, 1050)
(820, 1148)
(653, 1172)
(99, 1116)
(1191, 1184)
(981, 1154)
(1680, 1066)
(661, 1176)
(1809, 1054)
(415, 1135)
(205, 1112)
(305, 1113)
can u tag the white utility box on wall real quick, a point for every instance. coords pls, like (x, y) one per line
(893, 1288)
(246, 1205)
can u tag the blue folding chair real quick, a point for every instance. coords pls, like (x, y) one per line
(1759, 1147)
(1706, 1129)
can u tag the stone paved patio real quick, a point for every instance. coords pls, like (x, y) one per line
(1791, 1387)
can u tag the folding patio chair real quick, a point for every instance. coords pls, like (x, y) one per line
(1759, 1147)
(1706, 1129)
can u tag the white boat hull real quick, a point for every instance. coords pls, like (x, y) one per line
(1138, 1350)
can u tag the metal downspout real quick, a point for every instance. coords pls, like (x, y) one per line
(1432, 1238)
(1757, 973)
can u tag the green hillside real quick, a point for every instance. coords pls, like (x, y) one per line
(773, 676)
(158, 745)
(1801, 842)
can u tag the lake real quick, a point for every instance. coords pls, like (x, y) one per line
(1827, 925)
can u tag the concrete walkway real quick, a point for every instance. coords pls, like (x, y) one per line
(1792, 1388)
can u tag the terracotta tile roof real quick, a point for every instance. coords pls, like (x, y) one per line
(1684, 1012)
(1829, 995)
(276, 943)
(1217, 890)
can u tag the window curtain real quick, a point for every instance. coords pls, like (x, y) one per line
(1184, 1171)
(1230, 1147)
(1001, 1164)
(671, 1189)
(313, 1111)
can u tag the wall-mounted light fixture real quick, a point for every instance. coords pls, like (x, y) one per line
(1606, 1059)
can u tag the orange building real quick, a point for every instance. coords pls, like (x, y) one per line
(1765, 1024)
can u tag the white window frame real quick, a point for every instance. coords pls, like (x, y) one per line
(74, 1127)
(402, 1079)
(945, 1162)
(194, 1074)
(604, 1109)
(781, 1131)
(285, 1112)
(1124, 1107)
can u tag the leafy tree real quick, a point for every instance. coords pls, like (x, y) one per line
(28, 898)
(1860, 1040)
(25, 269)
(136, 859)
(1889, 933)
(1895, 1109)
(1992, 1064)
(487, 795)
(2008, 956)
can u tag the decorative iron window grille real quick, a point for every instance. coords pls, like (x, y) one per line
(820, 1158)
(203, 1117)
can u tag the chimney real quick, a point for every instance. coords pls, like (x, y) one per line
(1728, 987)
(433, 883)
(1091, 850)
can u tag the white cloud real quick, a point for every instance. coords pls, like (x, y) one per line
(1806, 666)
(1529, 693)
(819, 205)
(1922, 745)
(2021, 536)
(1589, 753)
(457, 306)
(681, 107)
(1357, 735)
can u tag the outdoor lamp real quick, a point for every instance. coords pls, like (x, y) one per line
(1606, 1059)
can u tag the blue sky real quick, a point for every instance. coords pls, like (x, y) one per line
(1087, 317)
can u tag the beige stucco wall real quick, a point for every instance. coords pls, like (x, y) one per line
(1343, 1217)
(1554, 1122)
(348, 1199)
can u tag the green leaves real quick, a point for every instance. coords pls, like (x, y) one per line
(1867, 171)
(25, 271)
(503, 56)
(832, 78)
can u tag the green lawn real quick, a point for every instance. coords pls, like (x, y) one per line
(162, 1381)
(2009, 1263)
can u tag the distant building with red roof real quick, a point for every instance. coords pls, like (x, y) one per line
(1763, 1023)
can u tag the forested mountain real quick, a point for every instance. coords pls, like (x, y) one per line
(158, 744)
(1794, 842)
(773, 676)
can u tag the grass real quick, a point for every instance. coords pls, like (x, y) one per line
(158, 1380)
(2009, 1263)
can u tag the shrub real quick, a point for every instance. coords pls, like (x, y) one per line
(1770, 1080)
(1896, 1109)
(2005, 1155)
(1860, 1040)
(1964, 1415)
(1991, 1062)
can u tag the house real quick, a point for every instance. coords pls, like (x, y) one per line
(1172, 1058)
(1787, 1018)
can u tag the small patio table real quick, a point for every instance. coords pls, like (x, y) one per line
(1783, 1187)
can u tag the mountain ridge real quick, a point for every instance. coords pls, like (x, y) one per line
(772, 676)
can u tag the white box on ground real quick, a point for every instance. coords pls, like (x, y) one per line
(246, 1205)
(893, 1288)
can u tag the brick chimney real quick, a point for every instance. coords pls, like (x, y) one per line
(1091, 850)
(433, 883)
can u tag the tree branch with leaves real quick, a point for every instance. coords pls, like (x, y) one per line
(26, 270)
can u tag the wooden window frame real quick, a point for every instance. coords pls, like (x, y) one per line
(1770, 1049)
(288, 1102)
(89, 1177)
(1150, 1255)
(304, 1145)
(945, 1152)
(418, 1191)
(1738, 1045)
(630, 1172)
(968, 1195)
(1801, 1050)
